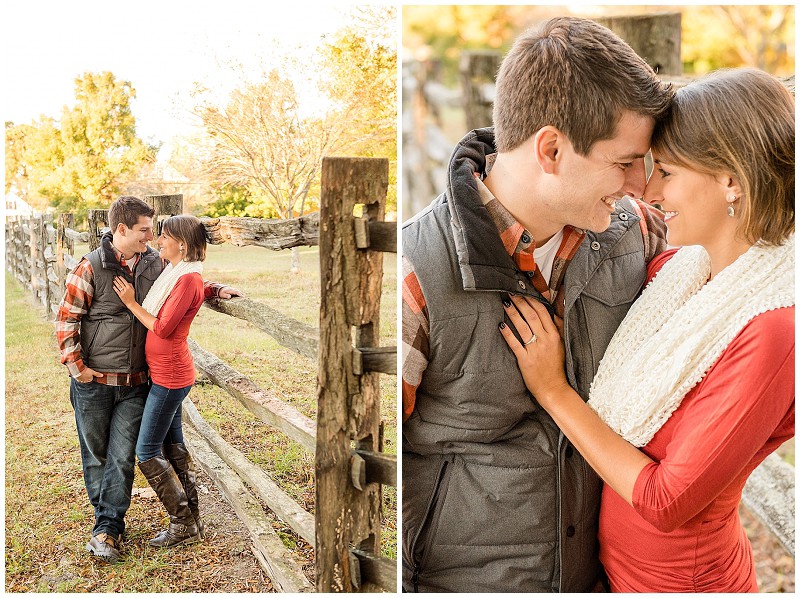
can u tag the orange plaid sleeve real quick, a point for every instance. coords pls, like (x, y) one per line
(75, 304)
(415, 336)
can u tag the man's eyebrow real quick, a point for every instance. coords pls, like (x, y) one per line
(632, 156)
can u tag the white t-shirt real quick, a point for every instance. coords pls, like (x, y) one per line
(545, 255)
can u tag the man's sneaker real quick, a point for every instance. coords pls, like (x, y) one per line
(104, 547)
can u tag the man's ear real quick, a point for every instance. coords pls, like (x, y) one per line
(122, 229)
(547, 147)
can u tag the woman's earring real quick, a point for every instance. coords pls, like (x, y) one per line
(181, 248)
(731, 211)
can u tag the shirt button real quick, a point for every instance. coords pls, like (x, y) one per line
(623, 216)
(529, 274)
(570, 531)
(595, 245)
(526, 238)
(521, 285)
(568, 452)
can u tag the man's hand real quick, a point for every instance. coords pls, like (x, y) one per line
(87, 375)
(227, 292)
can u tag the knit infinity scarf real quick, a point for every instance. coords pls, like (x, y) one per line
(164, 284)
(677, 330)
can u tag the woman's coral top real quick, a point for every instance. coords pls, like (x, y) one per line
(683, 533)
(166, 350)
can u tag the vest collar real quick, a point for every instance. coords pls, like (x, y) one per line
(483, 261)
(109, 260)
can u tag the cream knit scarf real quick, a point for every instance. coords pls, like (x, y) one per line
(164, 284)
(678, 329)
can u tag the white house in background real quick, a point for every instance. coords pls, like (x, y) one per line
(17, 208)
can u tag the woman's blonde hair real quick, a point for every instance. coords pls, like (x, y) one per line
(738, 122)
(188, 230)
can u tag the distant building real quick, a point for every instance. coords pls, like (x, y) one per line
(17, 208)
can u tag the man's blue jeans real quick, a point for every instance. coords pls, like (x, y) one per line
(161, 422)
(108, 419)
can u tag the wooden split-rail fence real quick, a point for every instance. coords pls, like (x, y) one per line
(347, 436)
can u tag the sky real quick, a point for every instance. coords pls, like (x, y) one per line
(162, 48)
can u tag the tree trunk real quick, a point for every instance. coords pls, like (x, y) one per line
(654, 37)
(295, 260)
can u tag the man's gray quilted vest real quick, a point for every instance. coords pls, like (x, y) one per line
(494, 496)
(112, 339)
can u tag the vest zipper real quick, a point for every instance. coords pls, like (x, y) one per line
(425, 523)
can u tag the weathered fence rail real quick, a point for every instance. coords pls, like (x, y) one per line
(347, 553)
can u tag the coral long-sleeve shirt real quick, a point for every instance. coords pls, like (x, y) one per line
(683, 533)
(166, 350)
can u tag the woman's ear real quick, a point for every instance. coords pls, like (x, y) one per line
(547, 147)
(730, 186)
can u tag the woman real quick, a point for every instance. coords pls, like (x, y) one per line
(175, 298)
(697, 385)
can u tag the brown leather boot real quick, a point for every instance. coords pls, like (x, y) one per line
(181, 460)
(162, 479)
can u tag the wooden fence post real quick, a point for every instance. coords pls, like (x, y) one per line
(38, 273)
(23, 256)
(348, 405)
(64, 243)
(46, 255)
(654, 37)
(165, 206)
(97, 219)
(478, 73)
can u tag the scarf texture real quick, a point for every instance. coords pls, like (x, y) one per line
(678, 329)
(164, 284)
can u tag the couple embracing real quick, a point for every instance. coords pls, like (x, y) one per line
(595, 361)
(122, 329)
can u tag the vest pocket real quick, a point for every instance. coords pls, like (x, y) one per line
(420, 549)
(487, 505)
(95, 324)
(615, 282)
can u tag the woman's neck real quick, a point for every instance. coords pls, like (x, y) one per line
(723, 253)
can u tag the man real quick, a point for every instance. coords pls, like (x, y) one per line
(494, 497)
(102, 345)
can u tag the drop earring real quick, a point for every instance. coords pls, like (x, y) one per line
(731, 211)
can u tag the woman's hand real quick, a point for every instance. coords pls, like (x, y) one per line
(541, 354)
(124, 290)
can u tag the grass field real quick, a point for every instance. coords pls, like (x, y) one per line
(48, 517)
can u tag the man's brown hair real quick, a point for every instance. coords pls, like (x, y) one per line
(577, 76)
(738, 122)
(188, 230)
(127, 210)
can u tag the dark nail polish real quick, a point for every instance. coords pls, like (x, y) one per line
(506, 302)
(502, 325)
